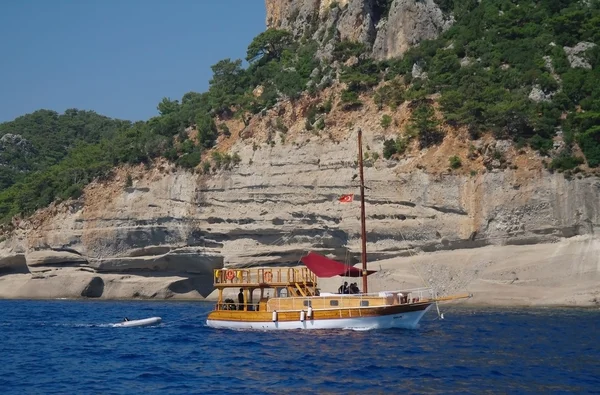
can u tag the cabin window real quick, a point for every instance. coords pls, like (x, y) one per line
(307, 303)
(334, 302)
(364, 303)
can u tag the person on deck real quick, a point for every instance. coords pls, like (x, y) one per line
(354, 288)
(343, 289)
(348, 289)
(241, 299)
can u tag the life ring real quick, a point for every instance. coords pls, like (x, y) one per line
(230, 274)
(268, 276)
(217, 273)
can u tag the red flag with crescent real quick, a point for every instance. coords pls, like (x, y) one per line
(346, 198)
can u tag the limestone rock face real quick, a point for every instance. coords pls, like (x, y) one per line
(282, 202)
(52, 258)
(576, 55)
(357, 22)
(181, 260)
(295, 16)
(132, 242)
(389, 32)
(409, 22)
(163, 236)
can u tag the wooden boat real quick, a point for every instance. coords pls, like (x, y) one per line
(288, 298)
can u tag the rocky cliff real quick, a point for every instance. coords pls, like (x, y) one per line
(388, 28)
(163, 235)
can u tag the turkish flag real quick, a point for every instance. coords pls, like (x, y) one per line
(346, 198)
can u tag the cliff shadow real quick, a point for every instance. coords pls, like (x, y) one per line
(201, 284)
(14, 265)
(94, 289)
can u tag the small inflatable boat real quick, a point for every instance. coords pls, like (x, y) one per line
(144, 322)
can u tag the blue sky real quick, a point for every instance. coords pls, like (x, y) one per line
(116, 57)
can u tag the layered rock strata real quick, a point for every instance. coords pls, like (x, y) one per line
(276, 205)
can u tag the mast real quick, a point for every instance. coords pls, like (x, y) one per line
(363, 232)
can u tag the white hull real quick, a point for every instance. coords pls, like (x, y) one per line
(144, 322)
(408, 320)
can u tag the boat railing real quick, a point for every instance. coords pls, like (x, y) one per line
(341, 301)
(263, 276)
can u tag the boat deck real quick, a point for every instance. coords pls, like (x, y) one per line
(351, 301)
(295, 289)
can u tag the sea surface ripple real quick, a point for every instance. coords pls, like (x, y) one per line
(71, 347)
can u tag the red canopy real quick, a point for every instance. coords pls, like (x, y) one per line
(325, 267)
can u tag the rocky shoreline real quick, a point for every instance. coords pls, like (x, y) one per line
(566, 274)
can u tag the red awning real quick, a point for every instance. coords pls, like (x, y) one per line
(325, 267)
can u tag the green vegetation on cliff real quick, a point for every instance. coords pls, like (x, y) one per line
(522, 70)
(45, 155)
(503, 67)
(54, 156)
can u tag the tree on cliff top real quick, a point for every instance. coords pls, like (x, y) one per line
(268, 45)
(227, 84)
(167, 106)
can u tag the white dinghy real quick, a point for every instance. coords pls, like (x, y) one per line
(143, 322)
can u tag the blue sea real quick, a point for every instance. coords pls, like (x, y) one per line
(69, 347)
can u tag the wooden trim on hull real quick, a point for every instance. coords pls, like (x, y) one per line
(398, 316)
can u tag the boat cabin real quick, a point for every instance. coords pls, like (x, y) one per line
(295, 289)
(285, 282)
